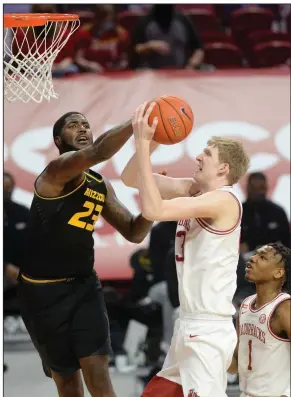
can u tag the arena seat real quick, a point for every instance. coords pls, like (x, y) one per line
(203, 19)
(247, 20)
(216, 36)
(272, 53)
(223, 55)
(129, 19)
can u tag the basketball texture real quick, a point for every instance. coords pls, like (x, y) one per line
(175, 119)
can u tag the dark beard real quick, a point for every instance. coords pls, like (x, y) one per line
(66, 147)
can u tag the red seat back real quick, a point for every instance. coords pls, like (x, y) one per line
(223, 55)
(263, 36)
(203, 19)
(272, 53)
(129, 19)
(213, 37)
(249, 19)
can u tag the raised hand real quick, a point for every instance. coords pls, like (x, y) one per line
(140, 123)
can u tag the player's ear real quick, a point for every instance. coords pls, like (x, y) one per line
(224, 169)
(279, 274)
(58, 141)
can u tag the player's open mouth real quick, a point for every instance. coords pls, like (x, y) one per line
(249, 266)
(82, 139)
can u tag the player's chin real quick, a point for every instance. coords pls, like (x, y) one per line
(198, 175)
(249, 276)
(82, 145)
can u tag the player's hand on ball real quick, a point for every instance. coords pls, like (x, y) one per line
(140, 123)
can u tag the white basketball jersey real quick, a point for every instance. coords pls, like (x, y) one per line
(263, 358)
(206, 261)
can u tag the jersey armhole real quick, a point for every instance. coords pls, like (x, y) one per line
(213, 230)
(269, 319)
(56, 197)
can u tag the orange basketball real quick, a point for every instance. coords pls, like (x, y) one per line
(175, 119)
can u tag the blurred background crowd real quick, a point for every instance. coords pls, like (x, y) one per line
(204, 37)
(115, 38)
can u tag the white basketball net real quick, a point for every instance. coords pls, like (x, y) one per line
(28, 61)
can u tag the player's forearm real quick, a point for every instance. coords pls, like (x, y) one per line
(129, 175)
(140, 228)
(143, 48)
(151, 201)
(196, 58)
(112, 141)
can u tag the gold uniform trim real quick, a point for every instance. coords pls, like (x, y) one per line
(34, 281)
(60, 197)
(93, 177)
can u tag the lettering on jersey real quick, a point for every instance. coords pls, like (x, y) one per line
(95, 195)
(253, 330)
(185, 223)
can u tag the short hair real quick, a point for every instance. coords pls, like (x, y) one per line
(257, 175)
(232, 152)
(59, 124)
(285, 254)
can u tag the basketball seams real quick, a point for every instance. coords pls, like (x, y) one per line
(164, 123)
(177, 114)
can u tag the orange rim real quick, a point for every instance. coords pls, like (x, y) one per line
(25, 20)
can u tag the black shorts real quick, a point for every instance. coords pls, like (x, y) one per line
(66, 321)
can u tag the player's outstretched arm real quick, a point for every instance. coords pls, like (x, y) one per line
(212, 205)
(133, 228)
(168, 187)
(70, 165)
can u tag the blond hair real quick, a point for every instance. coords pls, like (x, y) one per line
(231, 152)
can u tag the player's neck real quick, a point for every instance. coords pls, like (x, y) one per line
(213, 185)
(265, 294)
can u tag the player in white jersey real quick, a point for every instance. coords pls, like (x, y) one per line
(207, 242)
(262, 356)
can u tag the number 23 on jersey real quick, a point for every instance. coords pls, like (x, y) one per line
(92, 212)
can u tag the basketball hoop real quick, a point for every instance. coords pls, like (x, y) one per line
(31, 44)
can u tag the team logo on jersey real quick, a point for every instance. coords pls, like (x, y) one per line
(262, 318)
(193, 393)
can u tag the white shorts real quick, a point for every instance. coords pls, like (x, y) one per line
(199, 356)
